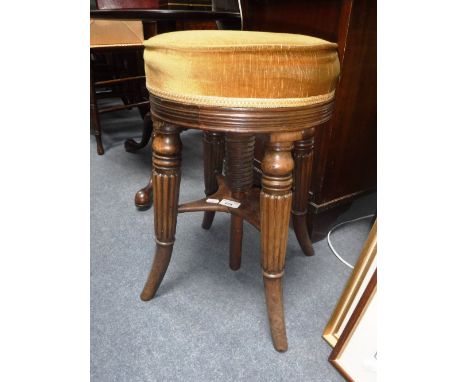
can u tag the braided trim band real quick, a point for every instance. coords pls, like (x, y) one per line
(263, 103)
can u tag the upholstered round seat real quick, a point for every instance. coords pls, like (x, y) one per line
(241, 69)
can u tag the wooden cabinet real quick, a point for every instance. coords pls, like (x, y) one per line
(345, 153)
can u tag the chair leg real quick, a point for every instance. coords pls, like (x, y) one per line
(303, 160)
(131, 145)
(95, 120)
(213, 155)
(275, 209)
(166, 182)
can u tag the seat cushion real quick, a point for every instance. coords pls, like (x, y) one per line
(240, 68)
(114, 33)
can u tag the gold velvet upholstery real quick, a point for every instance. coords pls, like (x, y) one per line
(111, 33)
(240, 68)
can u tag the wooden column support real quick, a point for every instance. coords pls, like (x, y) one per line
(275, 209)
(166, 182)
(239, 179)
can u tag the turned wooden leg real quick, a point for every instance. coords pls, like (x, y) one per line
(131, 145)
(275, 209)
(213, 155)
(239, 178)
(303, 160)
(95, 120)
(166, 182)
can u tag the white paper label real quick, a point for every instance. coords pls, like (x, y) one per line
(229, 203)
(215, 201)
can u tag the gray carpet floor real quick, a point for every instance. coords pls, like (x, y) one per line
(207, 323)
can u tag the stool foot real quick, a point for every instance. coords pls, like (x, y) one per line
(274, 301)
(302, 234)
(235, 248)
(158, 270)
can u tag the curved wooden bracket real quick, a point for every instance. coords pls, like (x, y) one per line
(248, 210)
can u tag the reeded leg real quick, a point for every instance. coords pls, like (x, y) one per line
(213, 155)
(131, 145)
(166, 183)
(275, 209)
(95, 121)
(303, 160)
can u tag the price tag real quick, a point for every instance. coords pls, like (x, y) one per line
(229, 203)
(215, 201)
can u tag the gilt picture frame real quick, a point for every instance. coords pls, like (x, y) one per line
(360, 277)
(355, 353)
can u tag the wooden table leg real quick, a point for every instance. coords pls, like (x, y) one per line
(143, 196)
(275, 209)
(95, 120)
(303, 161)
(213, 155)
(131, 145)
(166, 179)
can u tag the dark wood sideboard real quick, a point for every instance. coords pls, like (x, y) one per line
(345, 150)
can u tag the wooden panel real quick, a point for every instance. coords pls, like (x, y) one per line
(317, 18)
(350, 161)
(345, 148)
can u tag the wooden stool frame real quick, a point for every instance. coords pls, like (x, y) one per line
(268, 210)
